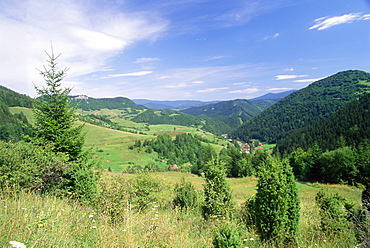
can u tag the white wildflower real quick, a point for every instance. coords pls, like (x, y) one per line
(16, 244)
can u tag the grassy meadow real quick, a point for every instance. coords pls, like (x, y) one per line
(47, 221)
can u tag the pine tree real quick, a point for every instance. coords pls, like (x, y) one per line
(54, 117)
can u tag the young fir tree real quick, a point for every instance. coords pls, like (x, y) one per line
(54, 117)
(218, 198)
(55, 128)
(276, 204)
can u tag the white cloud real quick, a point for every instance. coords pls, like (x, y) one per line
(289, 69)
(271, 36)
(198, 82)
(212, 89)
(277, 89)
(146, 60)
(308, 80)
(283, 77)
(328, 22)
(246, 91)
(180, 85)
(130, 74)
(87, 36)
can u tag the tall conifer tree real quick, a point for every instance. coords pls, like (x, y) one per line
(54, 117)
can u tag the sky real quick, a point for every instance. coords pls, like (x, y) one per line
(182, 49)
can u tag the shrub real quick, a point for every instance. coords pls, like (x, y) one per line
(332, 213)
(143, 191)
(227, 235)
(218, 198)
(186, 196)
(276, 204)
(24, 165)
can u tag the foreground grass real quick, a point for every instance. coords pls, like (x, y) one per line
(48, 221)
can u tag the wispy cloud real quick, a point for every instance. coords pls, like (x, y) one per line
(130, 74)
(308, 80)
(245, 91)
(198, 82)
(328, 22)
(283, 77)
(180, 85)
(87, 35)
(278, 89)
(212, 89)
(271, 36)
(146, 60)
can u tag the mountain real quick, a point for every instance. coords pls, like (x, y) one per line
(11, 98)
(88, 103)
(350, 125)
(274, 96)
(166, 116)
(305, 107)
(179, 104)
(12, 127)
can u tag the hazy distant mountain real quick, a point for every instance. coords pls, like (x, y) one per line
(274, 96)
(177, 104)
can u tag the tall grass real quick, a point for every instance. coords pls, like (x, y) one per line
(48, 221)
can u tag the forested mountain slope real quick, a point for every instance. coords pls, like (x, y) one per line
(305, 107)
(89, 103)
(226, 116)
(12, 126)
(349, 126)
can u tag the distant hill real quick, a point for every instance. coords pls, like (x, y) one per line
(12, 126)
(305, 107)
(166, 116)
(349, 125)
(224, 117)
(178, 104)
(88, 103)
(274, 96)
(11, 98)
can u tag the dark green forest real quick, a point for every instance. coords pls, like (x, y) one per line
(349, 126)
(12, 127)
(305, 107)
(121, 103)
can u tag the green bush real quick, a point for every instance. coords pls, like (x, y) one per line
(144, 189)
(217, 192)
(227, 235)
(276, 204)
(333, 216)
(27, 166)
(186, 196)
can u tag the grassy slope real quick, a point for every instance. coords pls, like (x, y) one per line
(111, 146)
(52, 222)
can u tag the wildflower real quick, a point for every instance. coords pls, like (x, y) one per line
(324, 240)
(62, 209)
(251, 239)
(91, 216)
(1, 215)
(93, 227)
(93, 220)
(16, 244)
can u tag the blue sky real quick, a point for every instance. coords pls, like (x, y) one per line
(183, 49)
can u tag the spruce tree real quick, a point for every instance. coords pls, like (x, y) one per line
(54, 117)
(55, 128)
